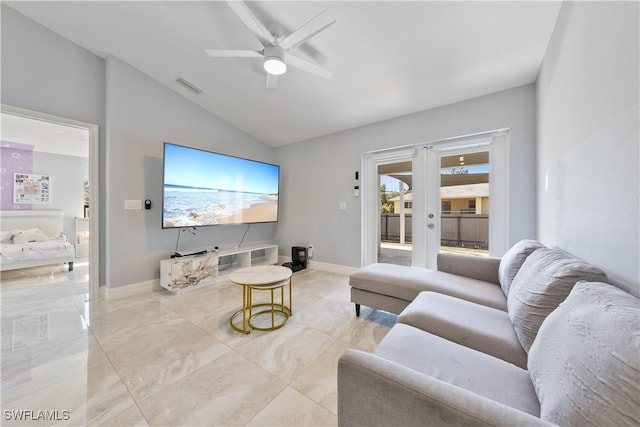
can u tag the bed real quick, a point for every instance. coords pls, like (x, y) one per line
(33, 239)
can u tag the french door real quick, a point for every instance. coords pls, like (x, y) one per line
(459, 197)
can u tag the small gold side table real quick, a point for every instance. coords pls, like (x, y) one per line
(264, 277)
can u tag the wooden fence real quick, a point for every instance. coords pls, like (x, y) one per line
(390, 227)
(459, 230)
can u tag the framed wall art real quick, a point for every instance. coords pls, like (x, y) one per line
(33, 189)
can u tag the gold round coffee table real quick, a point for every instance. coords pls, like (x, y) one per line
(263, 278)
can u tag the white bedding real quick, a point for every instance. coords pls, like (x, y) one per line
(50, 249)
(33, 238)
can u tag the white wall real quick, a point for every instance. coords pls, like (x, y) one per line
(588, 138)
(319, 173)
(141, 114)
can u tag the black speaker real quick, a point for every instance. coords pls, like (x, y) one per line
(299, 256)
(298, 259)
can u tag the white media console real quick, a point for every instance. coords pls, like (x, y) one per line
(195, 271)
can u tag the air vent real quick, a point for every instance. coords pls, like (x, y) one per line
(195, 89)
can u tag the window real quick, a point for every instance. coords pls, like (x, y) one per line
(446, 207)
(472, 204)
(407, 205)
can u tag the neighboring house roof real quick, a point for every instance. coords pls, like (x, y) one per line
(468, 191)
(465, 191)
(407, 198)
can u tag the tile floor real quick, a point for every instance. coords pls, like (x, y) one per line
(161, 359)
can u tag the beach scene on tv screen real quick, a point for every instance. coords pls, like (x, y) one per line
(205, 188)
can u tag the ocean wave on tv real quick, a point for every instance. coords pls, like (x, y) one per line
(194, 207)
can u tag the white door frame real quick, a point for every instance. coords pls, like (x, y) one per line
(94, 195)
(425, 157)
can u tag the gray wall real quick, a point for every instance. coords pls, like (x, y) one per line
(141, 115)
(44, 72)
(319, 173)
(67, 185)
(587, 131)
(588, 138)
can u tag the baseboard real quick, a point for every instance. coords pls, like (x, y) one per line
(151, 285)
(324, 266)
(129, 290)
(282, 259)
(332, 268)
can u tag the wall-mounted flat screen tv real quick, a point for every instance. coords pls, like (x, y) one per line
(203, 188)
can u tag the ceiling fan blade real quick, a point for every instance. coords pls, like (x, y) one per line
(272, 81)
(308, 30)
(257, 28)
(308, 66)
(229, 53)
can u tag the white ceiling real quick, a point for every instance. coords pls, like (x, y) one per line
(45, 137)
(390, 58)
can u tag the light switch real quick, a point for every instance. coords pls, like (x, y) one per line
(342, 206)
(133, 204)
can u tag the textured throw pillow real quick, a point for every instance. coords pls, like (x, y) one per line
(585, 362)
(543, 282)
(512, 261)
(26, 236)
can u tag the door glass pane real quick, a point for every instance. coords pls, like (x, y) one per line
(395, 211)
(464, 196)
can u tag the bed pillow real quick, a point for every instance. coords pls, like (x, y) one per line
(585, 361)
(543, 282)
(26, 236)
(512, 261)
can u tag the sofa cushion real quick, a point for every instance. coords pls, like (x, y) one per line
(585, 361)
(512, 261)
(473, 325)
(483, 268)
(543, 282)
(407, 282)
(463, 367)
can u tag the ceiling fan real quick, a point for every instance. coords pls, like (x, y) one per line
(277, 49)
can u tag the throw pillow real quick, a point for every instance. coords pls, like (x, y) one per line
(543, 282)
(585, 362)
(34, 235)
(512, 261)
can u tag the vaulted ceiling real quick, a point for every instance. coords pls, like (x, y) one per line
(390, 58)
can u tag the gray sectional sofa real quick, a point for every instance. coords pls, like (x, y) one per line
(535, 338)
(473, 278)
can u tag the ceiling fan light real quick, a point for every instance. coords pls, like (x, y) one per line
(274, 60)
(275, 66)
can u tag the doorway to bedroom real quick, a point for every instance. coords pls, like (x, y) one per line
(49, 164)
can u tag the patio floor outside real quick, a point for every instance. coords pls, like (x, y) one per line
(400, 254)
